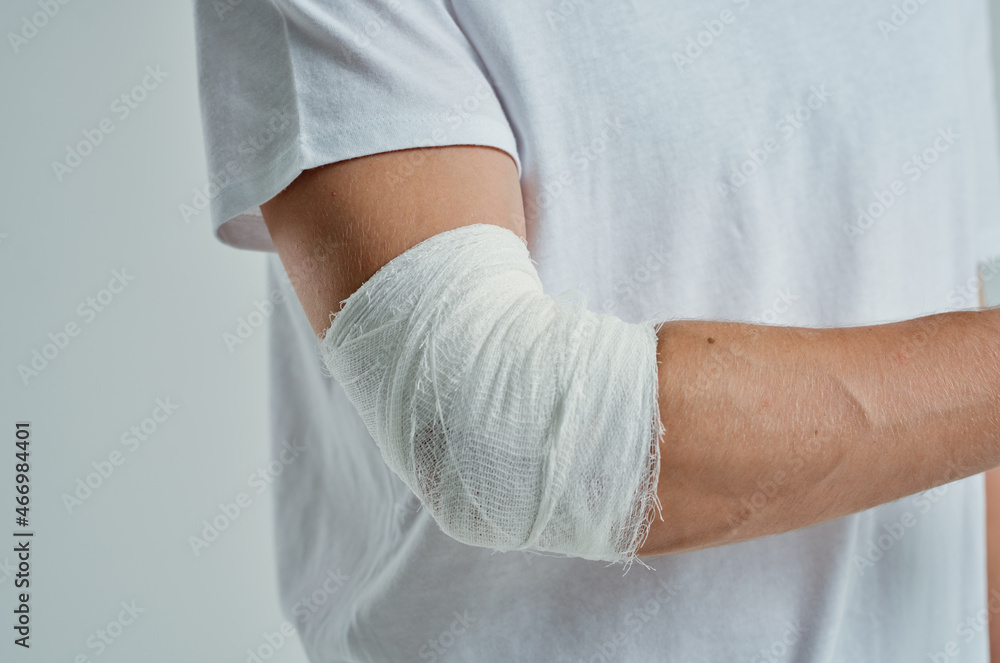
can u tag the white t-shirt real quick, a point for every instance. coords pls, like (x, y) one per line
(815, 164)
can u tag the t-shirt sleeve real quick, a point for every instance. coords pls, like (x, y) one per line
(289, 85)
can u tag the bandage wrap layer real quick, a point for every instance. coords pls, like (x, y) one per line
(520, 421)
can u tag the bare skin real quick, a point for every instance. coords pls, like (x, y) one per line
(335, 226)
(821, 422)
(814, 424)
(993, 558)
(992, 480)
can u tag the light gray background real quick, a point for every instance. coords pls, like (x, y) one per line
(162, 337)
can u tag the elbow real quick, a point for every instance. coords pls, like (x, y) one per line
(520, 422)
(472, 494)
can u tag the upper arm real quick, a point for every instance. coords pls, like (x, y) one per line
(336, 225)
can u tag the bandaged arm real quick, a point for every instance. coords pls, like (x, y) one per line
(764, 429)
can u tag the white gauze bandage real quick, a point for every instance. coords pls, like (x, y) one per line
(520, 421)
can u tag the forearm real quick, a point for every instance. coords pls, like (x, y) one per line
(770, 429)
(993, 558)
